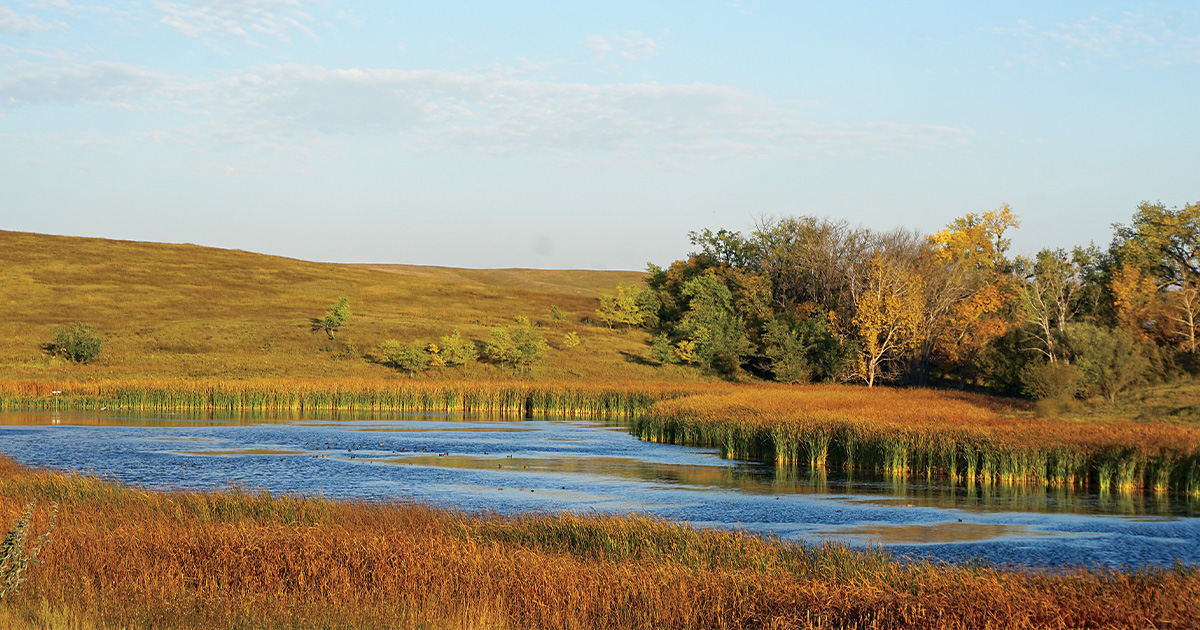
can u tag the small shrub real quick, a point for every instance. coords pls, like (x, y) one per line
(77, 342)
(556, 314)
(1050, 381)
(570, 340)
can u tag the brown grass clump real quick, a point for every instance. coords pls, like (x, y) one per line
(125, 558)
(926, 432)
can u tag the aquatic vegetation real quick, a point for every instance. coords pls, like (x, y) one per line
(929, 433)
(494, 397)
(124, 557)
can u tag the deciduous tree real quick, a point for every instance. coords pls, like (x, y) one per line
(887, 315)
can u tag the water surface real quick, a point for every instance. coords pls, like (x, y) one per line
(480, 464)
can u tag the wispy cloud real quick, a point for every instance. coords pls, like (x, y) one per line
(285, 109)
(13, 22)
(1130, 39)
(242, 20)
(631, 46)
(100, 82)
(502, 112)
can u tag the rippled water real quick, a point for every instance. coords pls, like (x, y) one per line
(590, 466)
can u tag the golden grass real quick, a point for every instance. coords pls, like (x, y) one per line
(188, 312)
(927, 432)
(124, 558)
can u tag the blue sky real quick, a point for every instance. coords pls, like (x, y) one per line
(585, 134)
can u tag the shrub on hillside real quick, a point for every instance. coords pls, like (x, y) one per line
(405, 357)
(77, 342)
(518, 345)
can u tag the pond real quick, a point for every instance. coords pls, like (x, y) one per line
(592, 466)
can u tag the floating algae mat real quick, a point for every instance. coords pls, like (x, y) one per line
(588, 466)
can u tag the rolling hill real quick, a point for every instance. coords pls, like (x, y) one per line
(185, 311)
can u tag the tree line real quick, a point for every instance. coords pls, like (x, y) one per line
(804, 299)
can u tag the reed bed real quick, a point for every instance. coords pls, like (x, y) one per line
(123, 558)
(498, 397)
(929, 433)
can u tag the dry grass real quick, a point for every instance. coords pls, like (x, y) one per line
(124, 558)
(183, 311)
(927, 432)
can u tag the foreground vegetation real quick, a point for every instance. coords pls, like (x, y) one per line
(127, 558)
(932, 434)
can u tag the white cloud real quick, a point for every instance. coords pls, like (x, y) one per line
(99, 82)
(597, 46)
(1130, 38)
(637, 47)
(237, 19)
(12, 22)
(632, 46)
(501, 112)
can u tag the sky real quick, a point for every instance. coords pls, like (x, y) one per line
(585, 134)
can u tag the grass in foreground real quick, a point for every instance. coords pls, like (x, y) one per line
(124, 558)
(928, 433)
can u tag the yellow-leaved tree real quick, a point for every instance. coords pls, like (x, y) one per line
(887, 317)
(968, 287)
(1135, 301)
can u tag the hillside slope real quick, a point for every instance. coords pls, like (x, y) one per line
(200, 312)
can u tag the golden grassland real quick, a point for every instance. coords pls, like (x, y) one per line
(188, 312)
(930, 433)
(125, 558)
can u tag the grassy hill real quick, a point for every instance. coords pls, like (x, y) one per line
(200, 312)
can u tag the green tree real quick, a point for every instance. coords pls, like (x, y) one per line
(1110, 360)
(335, 318)
(520, 344)
(662, 350)
(412, 357)
(716, 334)
(457, 350)
(804, 353)
(1164, 243)
(77, 342)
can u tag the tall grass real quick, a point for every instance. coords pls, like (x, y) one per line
(494, 397)
(923, 433)
(124, 558)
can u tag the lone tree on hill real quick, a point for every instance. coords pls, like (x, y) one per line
(77, 342)
(334, 318)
